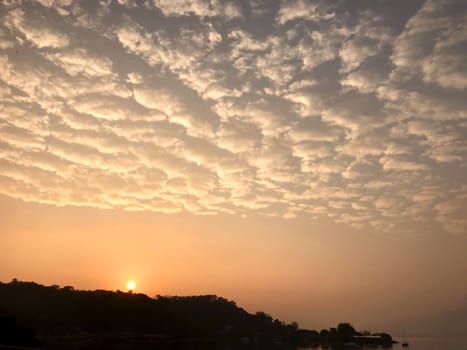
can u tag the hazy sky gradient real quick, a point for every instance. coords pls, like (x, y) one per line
(307, 158)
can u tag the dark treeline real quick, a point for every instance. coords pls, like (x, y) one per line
(31, 314)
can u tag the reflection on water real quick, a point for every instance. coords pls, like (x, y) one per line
(426, 343)
(431, 343)
(419, 343)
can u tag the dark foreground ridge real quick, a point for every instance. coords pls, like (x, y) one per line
(50, 317)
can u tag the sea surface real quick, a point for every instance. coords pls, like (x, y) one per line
(426, 343)
(431, 343)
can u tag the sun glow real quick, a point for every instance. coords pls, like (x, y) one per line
(131, 285)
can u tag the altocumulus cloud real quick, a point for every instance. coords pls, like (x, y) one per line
(351, 110)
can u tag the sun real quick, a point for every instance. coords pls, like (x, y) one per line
(131, 285)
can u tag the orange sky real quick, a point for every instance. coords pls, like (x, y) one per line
(304, 158)
(316, 273)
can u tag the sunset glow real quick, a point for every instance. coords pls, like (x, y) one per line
(307, 158)
(131, 285)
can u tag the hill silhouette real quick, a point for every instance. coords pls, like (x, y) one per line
(65, 318)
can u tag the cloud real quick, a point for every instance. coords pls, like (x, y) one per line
(355, 51)
(201, 8)
(323, 110)
(446, 65)
(238, 136)
(160, 99)
(112, 108)
(364, 80)
(5, 43)
(401, 164)
(21, 138)
(301, 9)
(79, 61)
(39, 34)
(313, 129)
(188, 57)
(450, 211)
(434, 36)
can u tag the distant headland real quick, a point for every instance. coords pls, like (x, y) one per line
(53, 317)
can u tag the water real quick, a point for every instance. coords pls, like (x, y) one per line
(427, 343)
(431, 343)
(423, 343)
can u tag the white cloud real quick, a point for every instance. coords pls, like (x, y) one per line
(135, 78)
(11, 3)
(202, 8)
(51, 3)
(5, 43)
(237, 136)
(111, 108)
(432, 44)
(401, 164)
(79, 61)
(365, 81)
(40, 35)
(357, 50)
(159, 99)
(301, 9)
(446, 66)
(313, 129)
(322, 112)
(127, 3)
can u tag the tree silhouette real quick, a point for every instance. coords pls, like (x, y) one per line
(142, 322)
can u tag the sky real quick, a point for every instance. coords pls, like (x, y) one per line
(306, 158)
